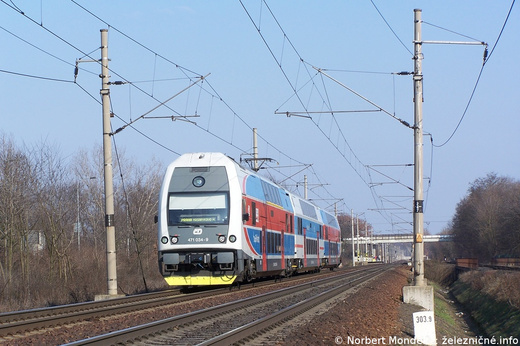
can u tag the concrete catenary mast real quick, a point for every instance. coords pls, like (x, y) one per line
(418, 216)
(107, 155)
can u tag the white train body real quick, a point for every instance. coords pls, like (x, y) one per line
(219, 223)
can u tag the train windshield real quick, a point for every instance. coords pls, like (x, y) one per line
(208, 208)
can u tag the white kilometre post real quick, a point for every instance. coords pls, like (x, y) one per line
(418, 216)
(107, 154)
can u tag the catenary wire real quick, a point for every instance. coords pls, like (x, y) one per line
(389, 27)
(182, 69)
(295, 90)
(37, 77)
(485, 60)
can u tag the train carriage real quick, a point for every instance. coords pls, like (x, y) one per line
(219, 223)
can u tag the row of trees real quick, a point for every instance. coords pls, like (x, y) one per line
(52, 235)
(486, 223)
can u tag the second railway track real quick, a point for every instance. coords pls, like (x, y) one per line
(17, 325)
(234, 321)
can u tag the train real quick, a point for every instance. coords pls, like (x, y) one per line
(220, 223)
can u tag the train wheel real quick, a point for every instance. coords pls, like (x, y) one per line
(247, 276)
(250, 271)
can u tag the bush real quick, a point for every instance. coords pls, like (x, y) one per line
(503, 286)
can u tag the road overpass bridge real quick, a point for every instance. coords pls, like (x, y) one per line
(399, 238)
(386, 248)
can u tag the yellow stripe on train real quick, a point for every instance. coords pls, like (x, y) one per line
(200, 280)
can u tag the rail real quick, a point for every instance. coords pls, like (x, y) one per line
(214, 319)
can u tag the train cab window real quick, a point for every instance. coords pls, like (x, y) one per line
(208, 208)
(244, 211)
(300, 226)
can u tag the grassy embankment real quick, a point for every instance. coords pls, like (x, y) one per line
(492, 298)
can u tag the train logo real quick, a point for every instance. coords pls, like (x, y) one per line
(197, 231)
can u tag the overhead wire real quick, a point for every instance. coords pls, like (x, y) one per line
(390, 27)
(151, 95)
(185, 71)
(84, 55)
(485, 60)
(294, 89)
(115, 73)
(501, 31)
(132, 39)
(41, 50)
(37, 77)
(16, 9)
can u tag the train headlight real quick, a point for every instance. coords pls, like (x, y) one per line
(198, 181)
(232, 238)
(174, 240)
(222, 238)
(164, 240)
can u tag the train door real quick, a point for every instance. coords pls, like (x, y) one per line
(318, 247)
(264, 248)
(327, 244)
(282, 242)
(288, 241)
(305, 247)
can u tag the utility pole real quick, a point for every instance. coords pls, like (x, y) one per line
(107, 155)
(420, 293)
(418, 216)
(366, 238)
(305, 186)
(357, 235)
(352, 235)
(255, 159)
(78, 227)
(255, 151)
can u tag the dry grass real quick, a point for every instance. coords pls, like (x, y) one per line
(502, 285)
(85, 279)
(442, 273)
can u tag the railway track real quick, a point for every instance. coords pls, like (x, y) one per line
(13, 323)
(238, 320)
(16, 324)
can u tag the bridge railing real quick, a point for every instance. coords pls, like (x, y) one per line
(400, 238)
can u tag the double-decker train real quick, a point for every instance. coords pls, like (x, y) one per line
(220, 223)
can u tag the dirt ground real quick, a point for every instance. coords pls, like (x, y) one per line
(376, 315)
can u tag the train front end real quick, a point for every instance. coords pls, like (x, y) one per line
(199, 221)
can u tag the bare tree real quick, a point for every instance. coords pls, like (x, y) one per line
(40, 194)
(15, 218)
(55, 208)
(138, 201)
(88, 171)
(485, 224)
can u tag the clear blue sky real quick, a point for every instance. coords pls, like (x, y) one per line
(357, 157)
